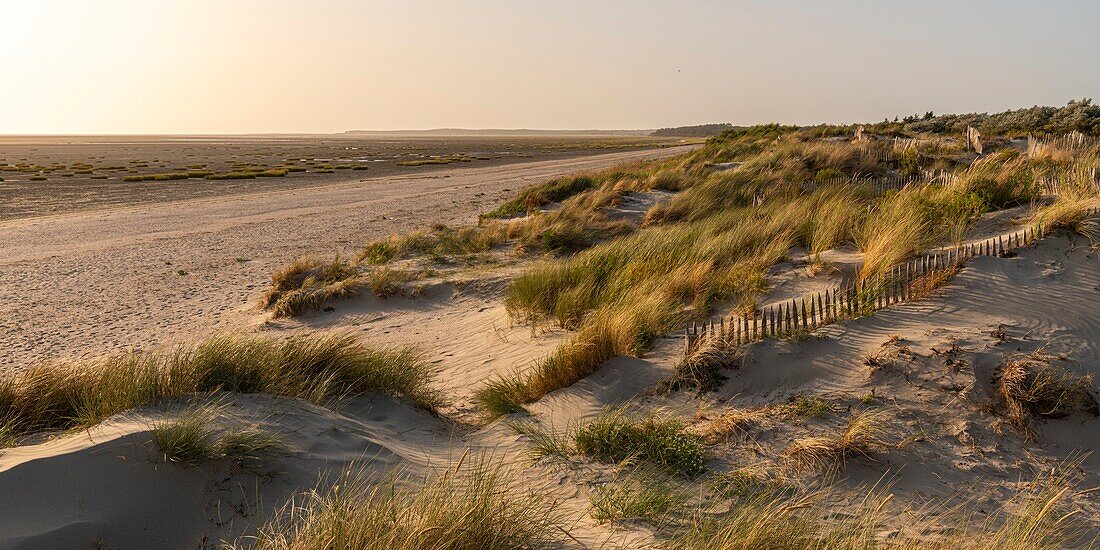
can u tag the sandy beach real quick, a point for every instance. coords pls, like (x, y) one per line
(101, 281)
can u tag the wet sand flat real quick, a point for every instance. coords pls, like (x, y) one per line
(51, 175)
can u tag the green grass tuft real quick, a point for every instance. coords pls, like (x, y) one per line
(59, 396)
(615, 436)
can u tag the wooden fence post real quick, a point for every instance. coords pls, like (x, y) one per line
(687, 340)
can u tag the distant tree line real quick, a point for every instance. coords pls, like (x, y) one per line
(1078, 115)
(699, 130)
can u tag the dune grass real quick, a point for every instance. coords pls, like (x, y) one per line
(714, 241)
(439, 241)
(478, 508)
(640, 496)
(620, 295)
(1034, 385)
(616, 436)
(1040, 517)
(193, 438)
(618, 287)
(1077, 207)
(544, 442)
(536, 196)
(865, 433)
(310, 282)
(63, 395)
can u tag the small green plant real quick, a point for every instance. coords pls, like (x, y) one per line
(648, 498)
(193, 437)
(543, 442)
(811, 407)
(614, 437)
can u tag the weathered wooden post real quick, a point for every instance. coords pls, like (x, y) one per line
(689, 339)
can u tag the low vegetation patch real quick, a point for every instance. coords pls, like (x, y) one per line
(310, 282)
(640, 497)
(865, 433)
(715, 426)
(615, 436)
(63, 395)
(537, 196)
(440, 242)
(478, 508)
(1034, 385)
(193, 438)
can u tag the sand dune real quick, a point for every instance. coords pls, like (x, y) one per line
(108, 484)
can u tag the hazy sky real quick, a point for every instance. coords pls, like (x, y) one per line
(176, 66)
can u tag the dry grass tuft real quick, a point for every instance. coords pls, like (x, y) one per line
(478, 508)
(865, 433)
(310, 282)
(702, 370)
(717, 427)
(1032, 385)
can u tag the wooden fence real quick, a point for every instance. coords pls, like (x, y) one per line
(1073, 141)
(878, 185)
(853, 298)
(1052, 185)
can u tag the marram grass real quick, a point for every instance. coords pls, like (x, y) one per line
(63, 395)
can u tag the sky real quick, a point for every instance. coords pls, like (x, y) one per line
(242, 66)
